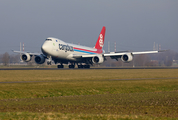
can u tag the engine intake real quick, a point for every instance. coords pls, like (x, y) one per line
(26, 57)
(98, 59)
(39, 59)
(127, 57)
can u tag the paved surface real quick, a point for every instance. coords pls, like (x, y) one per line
(86, 68)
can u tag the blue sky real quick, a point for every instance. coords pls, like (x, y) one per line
(133, 25)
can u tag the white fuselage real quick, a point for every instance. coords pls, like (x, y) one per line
(59, 49)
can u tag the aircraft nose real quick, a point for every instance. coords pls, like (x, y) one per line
(44, 48)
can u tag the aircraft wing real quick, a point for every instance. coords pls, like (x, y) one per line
(30, 53)
(117, 54)
(113, 54)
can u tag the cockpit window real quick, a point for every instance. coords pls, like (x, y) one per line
(48, 39)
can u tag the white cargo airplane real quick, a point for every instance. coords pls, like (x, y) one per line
(67, 53)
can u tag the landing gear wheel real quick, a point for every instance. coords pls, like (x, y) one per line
(80, 66)
(86, 66)
(60, 66)
(49, 63)
(71, 66)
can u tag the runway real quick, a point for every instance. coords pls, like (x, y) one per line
(88, 68)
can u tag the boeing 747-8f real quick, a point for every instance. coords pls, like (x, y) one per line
(71, 54)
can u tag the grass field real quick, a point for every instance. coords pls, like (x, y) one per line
(89, 94)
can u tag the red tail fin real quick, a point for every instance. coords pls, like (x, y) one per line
(100, 41)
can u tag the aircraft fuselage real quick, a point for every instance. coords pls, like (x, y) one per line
(59, 49)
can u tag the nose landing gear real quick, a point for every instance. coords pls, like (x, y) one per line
(49, 60)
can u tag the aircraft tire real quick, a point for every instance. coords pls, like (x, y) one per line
(48, 63)
(60, 66)
(71, 66)
(86, 66)
(80, 66)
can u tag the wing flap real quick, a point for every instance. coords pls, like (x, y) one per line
(118, 54)
(113, 54)
(145, 52)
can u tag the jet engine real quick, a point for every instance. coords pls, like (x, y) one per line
(26, 57)
(39, 59)
(127, 57)
(98, 59)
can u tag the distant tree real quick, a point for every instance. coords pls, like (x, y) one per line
(142, 60)
(14, 58)
(168, 62)
(1, 58)
(168, 57)
(176, 56)
(5, 59)
(108, 63)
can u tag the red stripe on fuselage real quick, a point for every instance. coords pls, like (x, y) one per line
(99, 51)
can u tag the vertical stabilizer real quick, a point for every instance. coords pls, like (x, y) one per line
(100, 41)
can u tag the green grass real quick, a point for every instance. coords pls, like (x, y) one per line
(77, 74)
(67, 116)
(89, 94)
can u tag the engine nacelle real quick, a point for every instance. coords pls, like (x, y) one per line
(98, 59)
(127, 57)
(25, 57)
(39, 59)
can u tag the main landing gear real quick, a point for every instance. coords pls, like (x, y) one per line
(83, 66)
(73, 66)
(60, 66)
